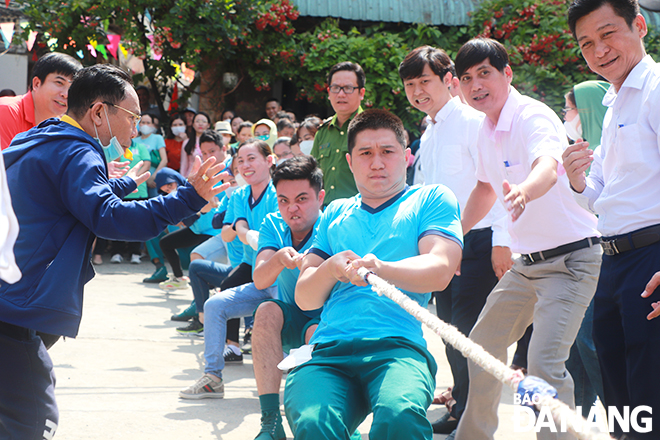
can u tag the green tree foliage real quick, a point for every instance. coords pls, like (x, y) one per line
(255, 39)
(216, 35)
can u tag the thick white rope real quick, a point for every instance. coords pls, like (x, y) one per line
(561, 412)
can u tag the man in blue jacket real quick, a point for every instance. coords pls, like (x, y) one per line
(58, 179)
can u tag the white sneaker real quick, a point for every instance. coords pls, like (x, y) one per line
(116, 259)
(135, 259)
(204, 388)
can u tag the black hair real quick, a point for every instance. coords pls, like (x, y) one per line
(413, 64)
(100, 82)
(570, 96)
(477, 50)
(54, 62)
(233, 115)
(283, 115)
(310, 124)
(263, 148)
(284, 123)
(627, 9)
(7, 92)
(211, 136)
(349, 67)
(173, 118)
(242, 125)
(375, 119)
(273, 99)
(192, 134)
(300, 168)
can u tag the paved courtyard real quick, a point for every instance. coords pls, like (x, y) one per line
(121, 377)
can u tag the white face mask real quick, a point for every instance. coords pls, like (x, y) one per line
(146, 130)
(113, 150)
(176, 131)
(573, 128)
(230, 190)
(306, 147)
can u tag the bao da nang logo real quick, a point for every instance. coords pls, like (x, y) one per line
(627, 419)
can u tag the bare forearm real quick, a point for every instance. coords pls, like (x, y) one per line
(242, 229)
(479, 204)
(314, 287)
(228, 234)
(420, 274)
(267, 269)
(539, 181)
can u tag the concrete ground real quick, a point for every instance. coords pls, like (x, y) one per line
(121, 377)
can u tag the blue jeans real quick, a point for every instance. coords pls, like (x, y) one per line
(205, 275)
(231, 303)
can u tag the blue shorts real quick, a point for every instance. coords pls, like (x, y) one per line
(213, 249)
(295, 325)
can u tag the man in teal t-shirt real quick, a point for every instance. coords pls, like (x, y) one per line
(369, 351)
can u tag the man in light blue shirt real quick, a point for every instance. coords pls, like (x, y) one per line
(370, 352)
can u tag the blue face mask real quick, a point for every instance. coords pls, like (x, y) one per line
(113, 150)
(264, 137)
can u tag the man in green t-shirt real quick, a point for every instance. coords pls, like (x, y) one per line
(345, 91)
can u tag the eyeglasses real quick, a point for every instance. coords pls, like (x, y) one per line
(566, 110)
(347, 89)
(135, 117)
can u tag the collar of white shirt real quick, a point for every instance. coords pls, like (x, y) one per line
(634, 80)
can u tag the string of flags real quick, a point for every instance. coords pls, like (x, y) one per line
(113, 47)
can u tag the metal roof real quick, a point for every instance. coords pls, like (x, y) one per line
(434, 12)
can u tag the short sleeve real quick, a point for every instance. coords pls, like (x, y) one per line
(269, 236)
(160, 142)
(439, 214)
(321, 246)
(543, 137)
(231, 209)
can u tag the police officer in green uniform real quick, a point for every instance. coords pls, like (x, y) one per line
(345, 91)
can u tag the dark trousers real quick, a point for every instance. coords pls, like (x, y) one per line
(28, 410)
(628, 345)
(467, 293)
(181, 238)
(237, 277)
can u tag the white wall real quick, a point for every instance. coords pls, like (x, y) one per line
(14, 72)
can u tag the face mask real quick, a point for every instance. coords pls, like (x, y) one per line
(264, 137)
(573, 128)
(147, 129)
(240, 180)
(280, 161)
(229, 191)
(113, 150)
(176, 131)
(306, 147)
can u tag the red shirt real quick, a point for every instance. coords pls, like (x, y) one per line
(173, 149)
(16, 116)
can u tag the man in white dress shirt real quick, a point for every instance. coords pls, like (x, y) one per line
(623, 188)
(552, 283)
(448, 156)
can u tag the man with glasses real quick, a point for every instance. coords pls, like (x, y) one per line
(345, 91)
(57, 176)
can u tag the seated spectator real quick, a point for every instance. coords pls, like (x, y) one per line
(265, 130)
(190, 147)
(282, 149)
(285, 128)
(7, 92)
(248, 206)
(227, 255)
(198, 229)
(306, 133)
(411, 237)
(174, 142)
(283, 238)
